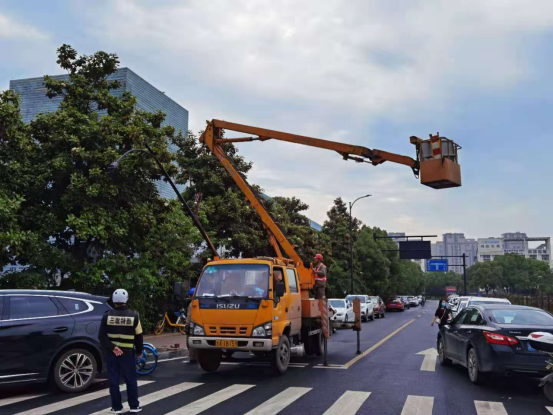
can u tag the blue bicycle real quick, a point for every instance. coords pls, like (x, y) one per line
(148, 361)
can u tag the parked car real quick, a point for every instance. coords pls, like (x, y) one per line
(406, 303)
(395, 303)
(379, 306)
(458, 305)
(344, 310)
(367, 307)
(493, 338)
(466, 301)
(51, 335)
(413, 301)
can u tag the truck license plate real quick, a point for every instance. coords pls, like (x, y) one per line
(226, 343)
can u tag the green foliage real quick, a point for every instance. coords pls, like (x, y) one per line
(228, 217)
(511, 273)
(71, 224)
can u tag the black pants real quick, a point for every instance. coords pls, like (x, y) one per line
(126, 364)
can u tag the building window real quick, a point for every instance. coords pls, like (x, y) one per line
(545, 257)
(481, 246)
(487, 246)
(486, 257)
(533, 257)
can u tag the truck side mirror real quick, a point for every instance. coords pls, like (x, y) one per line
(279, 289)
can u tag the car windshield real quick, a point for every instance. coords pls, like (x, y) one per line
(229, 280)
(338, 303)
(529, 317)
(353, 297)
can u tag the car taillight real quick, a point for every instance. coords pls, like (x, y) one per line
(536, 336)
(496, 338)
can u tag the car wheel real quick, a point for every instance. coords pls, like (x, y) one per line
(280, 357)
(444, 361)
(473, 368)
(75, 370)
(548, 391)
(210, 360)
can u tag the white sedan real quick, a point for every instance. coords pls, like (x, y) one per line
(344, 310)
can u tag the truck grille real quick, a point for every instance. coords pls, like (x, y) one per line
(227, 330)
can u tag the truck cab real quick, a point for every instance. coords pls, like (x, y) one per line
(238, 305)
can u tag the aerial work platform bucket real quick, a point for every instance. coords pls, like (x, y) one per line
(439, 167)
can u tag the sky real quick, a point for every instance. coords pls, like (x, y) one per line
(371, 73)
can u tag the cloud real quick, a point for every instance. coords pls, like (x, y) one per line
(364, 56)
(11, 29)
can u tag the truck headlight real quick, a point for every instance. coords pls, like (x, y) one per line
(263, 330)
(197, 330)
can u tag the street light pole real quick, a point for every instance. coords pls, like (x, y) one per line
(351, 242)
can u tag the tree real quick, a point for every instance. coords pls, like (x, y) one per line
(485, 275)
(70, 223)
(337, 228)
(229, 219)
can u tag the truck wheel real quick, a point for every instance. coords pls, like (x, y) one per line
(318, 343)
(209, 360)
(280, 357)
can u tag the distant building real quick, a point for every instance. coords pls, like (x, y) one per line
(34, 101)
(455, 244)
(514, 243)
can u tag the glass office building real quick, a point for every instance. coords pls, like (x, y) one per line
(34, 101)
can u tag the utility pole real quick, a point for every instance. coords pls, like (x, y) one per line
(464, 274)
(351, 242)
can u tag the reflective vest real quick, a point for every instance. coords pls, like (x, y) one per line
(120, 327)
(317, 277)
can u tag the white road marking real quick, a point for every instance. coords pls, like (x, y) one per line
(172, 358)
(77, 400)
(349, 403)
(211, 400)
(550, 409)
(418, 405)
(489, 408)
(15, 399)
(161, 394)
(279, 402)
(320, 366)
(429, 361)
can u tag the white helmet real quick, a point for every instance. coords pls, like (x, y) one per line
(120, 296)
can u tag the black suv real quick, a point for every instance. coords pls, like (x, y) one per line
(51, 335)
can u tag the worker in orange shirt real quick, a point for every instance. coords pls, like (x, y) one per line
(319, 273)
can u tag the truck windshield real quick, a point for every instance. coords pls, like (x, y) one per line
(230, 280)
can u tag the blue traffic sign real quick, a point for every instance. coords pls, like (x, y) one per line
(436, 265)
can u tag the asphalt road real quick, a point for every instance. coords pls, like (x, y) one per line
(386, 379)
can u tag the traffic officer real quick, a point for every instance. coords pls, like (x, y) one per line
(319, 273)
(120, 335)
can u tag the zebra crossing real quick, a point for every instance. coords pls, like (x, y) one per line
(350, 402)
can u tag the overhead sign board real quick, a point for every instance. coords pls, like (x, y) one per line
(414, 250)
(436, 265)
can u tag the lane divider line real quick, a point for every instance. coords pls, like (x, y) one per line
(375, 346)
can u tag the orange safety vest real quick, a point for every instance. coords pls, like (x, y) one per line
(317, 277)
